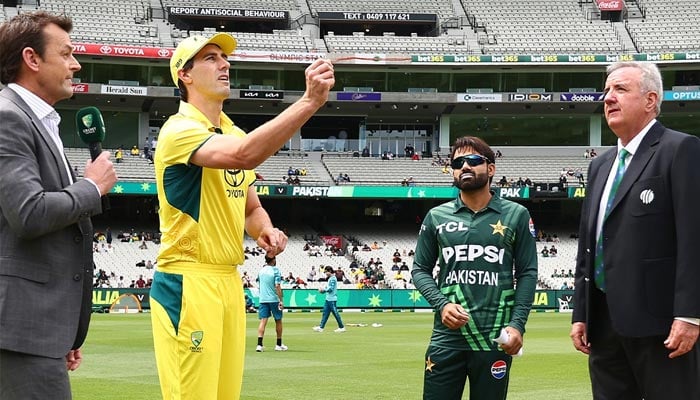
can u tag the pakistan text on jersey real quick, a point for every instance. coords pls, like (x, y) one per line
(471, 252)
(472, 277)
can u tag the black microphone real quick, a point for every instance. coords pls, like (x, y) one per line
(91, 129)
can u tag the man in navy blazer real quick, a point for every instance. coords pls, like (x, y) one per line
(637, 298)
(46, 264)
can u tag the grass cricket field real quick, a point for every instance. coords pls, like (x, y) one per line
(363, 363)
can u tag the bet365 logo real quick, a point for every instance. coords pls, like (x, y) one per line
(196, 337)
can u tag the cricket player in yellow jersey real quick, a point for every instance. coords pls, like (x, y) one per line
(204, 172)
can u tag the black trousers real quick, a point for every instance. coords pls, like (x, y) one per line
(29, 377)
(627, 368)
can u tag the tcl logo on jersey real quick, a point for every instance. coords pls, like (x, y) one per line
(470, 252)
(452, 227)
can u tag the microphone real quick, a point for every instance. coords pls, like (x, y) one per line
(91, 129)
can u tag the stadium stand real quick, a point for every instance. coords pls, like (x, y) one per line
(375, 171)
(123, 257)
(395, 44)
(540, 27)
(278, 40)
(368, 170)
(668, 25)
(130, 169)
(123, 22)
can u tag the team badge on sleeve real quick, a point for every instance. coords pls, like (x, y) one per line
(531, 225)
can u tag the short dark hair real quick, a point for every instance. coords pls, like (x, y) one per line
(22, 31)
(475, 143)
(328, 269)
(270, 260)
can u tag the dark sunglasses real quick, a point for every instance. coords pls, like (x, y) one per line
(473, 160)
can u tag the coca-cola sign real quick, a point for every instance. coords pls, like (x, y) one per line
(80, 87)
(610, 5)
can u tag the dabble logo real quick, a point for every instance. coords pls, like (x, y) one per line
(499, 369)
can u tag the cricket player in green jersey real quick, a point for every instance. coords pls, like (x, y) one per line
(484, 248)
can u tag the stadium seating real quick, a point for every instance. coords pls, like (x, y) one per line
(130, 169)
(499, 26)
(366, 170)
(540, 27)
(668, 25)
(375, 171)
(104, 21)
(358, 42)
(122, 259)
(279, 40)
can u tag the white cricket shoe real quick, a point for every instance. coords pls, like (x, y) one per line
(281, 347)
(259, 349)
(339, 330)
(318, 329)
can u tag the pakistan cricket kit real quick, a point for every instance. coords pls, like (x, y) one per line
(481, 256)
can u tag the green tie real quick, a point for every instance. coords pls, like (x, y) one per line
(599, 273)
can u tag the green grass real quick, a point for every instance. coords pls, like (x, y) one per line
(362, 363)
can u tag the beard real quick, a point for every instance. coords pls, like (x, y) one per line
(476, 182)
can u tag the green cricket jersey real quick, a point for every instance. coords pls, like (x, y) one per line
(481, 257)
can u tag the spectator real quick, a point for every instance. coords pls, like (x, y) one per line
(135, 151)
(503, 182)
(311, 277)
(119, 155)
(409, 151)
(140, 283)
(147, 148)
(545, 252)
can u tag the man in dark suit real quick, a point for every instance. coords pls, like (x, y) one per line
(637, 271)
(46, 234)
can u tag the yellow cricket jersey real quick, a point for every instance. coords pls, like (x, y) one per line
(202, 210)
